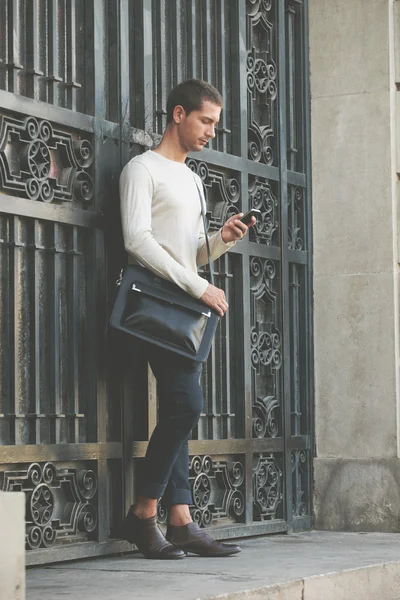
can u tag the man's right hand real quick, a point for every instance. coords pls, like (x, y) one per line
(215, 298)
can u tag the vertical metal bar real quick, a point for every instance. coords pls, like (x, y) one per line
(176, 51)
(14, 63)
(65, 341)
(208, 54)
(16, 290)
(63, 50)
(285, 306)
(53, 77)
(42, 49)
(96, 280)
(222, 363)
(162, 60)
(43, 324)
(32, 58)
(123, 40)
(56, 337)
(308, 330)
(221, 73)
(207, 40)
(37, 315)
(124, 103)
(291, 100)
(192, 39)
(239, 83)
(6, 326)
(228, 391)
(74, 345)
(143, 95)
(179, 60)
(4, 44)
(71, 82)
(22, 333)
(147, 67)
(295, 336)
(212, 406)
(244, 412)
(95, 12)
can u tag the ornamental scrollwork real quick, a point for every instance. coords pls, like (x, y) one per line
(261, 76)
(300, 482)
(42, 163)
(266, 350)
(216, 489)
(262, 198)
(222, 193)
(296, 218)
(261, 81)
(263, 273)
(259, 8)
(60, 503)
(267, 487)
(264, 422)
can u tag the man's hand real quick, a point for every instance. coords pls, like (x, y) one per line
(234, 230)
(215, 298)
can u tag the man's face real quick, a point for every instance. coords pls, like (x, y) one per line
(196, 128)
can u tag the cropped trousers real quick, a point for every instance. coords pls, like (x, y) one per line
(180, 403)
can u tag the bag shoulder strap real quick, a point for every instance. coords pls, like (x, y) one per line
(202, 203)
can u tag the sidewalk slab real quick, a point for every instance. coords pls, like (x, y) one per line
(306, 566)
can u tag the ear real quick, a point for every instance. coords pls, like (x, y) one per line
(178, 114)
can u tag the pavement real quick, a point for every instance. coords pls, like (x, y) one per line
(306, 566)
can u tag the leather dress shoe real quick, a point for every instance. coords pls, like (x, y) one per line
(148, 538)
(190, 538)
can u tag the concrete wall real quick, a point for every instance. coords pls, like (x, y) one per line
(357, 472)
(12, 546)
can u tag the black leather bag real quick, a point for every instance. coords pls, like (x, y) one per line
(160, 312)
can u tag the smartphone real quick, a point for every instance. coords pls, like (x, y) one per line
(254, 212)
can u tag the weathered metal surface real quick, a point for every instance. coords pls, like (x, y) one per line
(83, 87)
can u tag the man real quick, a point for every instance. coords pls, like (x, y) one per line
(163, 231)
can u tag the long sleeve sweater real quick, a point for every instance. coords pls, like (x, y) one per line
(162, 223)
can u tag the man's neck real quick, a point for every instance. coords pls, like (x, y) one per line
(169, 147)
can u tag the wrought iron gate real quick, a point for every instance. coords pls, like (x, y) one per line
(83, 86)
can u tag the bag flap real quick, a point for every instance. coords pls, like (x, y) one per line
(155, 286)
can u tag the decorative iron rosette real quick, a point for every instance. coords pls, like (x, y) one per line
(267, 487)
(42, 163)
(60, 503)
(262, 198)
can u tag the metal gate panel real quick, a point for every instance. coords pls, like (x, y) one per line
(83, 87)
(258, 380)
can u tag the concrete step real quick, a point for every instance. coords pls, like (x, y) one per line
(306, 566)
(376, 582)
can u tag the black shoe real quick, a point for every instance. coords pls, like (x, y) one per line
(148, 538)
(190, 538)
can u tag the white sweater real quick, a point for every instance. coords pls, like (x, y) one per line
(161, 221)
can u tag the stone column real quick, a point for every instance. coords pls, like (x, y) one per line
(357, 469)
(12, 545)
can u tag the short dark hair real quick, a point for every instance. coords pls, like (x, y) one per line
(191, 94)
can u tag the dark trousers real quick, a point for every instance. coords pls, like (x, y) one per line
(181, 401)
